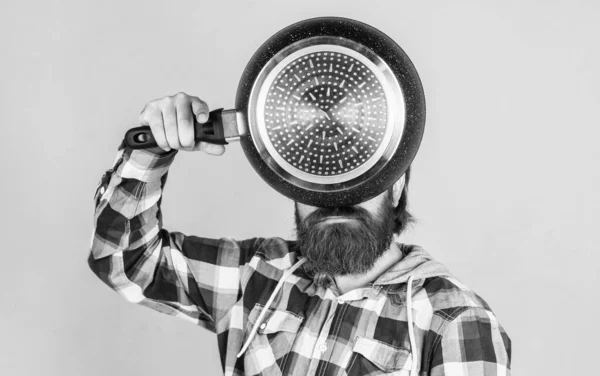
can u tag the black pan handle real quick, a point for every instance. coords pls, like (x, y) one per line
(211, 131)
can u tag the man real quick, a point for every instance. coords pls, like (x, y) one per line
(344, 299)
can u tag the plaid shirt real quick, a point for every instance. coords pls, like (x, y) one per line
(310, 328)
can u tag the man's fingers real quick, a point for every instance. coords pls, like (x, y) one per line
(170, 120)
(210, 148)
(185, 123)
(200, 109)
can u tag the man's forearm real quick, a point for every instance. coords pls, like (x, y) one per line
(127, 214)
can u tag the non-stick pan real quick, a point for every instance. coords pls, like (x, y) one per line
(329, 112)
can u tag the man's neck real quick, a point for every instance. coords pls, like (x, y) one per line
(388, 259)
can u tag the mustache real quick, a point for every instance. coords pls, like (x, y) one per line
(343, 211)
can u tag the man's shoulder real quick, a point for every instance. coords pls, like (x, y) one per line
(434, 282)
(449, 297)
(275, 247)
(276, 251)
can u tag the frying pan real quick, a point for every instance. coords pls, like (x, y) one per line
(329, 112)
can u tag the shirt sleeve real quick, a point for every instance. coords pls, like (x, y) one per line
(474, 343)
(197, 279)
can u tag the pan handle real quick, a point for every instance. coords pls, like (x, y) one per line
(211, 131)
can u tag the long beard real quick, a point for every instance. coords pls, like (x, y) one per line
(349, 247)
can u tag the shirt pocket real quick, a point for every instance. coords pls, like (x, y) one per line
(372, 357)
(275, 336)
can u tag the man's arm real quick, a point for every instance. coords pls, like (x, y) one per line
(472, 344)
(194, 278)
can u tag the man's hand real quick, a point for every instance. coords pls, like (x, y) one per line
(171, 120)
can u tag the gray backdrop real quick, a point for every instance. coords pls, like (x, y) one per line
(505, 187)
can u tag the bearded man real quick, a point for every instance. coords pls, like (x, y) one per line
(344, 299)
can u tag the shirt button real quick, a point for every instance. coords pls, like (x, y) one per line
(323, 348)
(340, 301)
(263, 325)
(102, 190)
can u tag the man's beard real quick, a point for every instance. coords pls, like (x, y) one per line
(348, 247)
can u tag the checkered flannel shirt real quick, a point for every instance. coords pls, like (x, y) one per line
(310, 328)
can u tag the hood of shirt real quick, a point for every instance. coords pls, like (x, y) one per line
(417, 263)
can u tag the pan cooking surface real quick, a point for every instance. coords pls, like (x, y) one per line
(326, 113)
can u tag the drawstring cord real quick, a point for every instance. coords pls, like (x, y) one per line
(411, 332)
(285, 276)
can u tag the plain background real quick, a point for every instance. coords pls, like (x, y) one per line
(505, 187)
